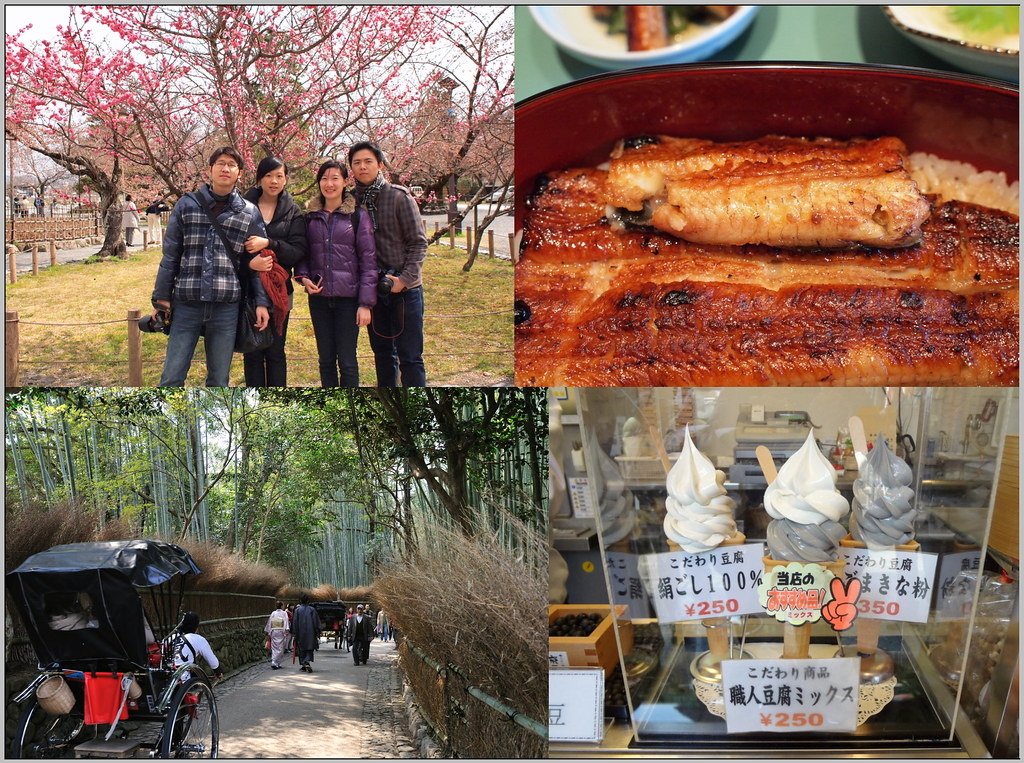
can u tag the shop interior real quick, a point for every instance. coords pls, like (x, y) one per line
(944, 682)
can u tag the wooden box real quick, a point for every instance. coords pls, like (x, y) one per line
(598, 650)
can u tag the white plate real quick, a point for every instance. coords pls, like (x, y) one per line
(576, 31)
(929, 27)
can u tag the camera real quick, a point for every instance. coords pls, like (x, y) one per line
(385, 285)
(151, 324)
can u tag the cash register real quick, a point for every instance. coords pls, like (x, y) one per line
(782, 432)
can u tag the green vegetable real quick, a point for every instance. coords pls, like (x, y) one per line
(617, 20)
(986, 18)
(677, 18)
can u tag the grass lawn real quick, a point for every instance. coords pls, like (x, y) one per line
(468, 325)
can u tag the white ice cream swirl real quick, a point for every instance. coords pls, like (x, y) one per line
(806, 507)
(700, 512)
(882, 513)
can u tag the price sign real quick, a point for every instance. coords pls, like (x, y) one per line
(895, 585)
(784, 696)
(720, 582)
(627, 587)
(579, 495)
(956, 583)
(576, 705)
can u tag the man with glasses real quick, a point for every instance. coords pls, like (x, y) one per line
(198, 286)
(396, 328)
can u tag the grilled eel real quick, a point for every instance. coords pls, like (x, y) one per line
(598, 305)
(776, 190)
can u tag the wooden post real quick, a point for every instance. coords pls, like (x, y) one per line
(12, 259)
(437, 227)
(469, 238)
(451, 235)
(11, 349)
(512, 247)
(134, 349)
(53, 253)
(490, 242)
(35, 258)
(145, 238)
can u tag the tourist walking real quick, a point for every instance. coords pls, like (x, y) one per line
(155, 231)
(283, 246)
(40, 206)
(383, 627)
(396, 331)
(339, 275)
(361, 627)
(277, 631)
(129, 219)
(199, 283)
(306, 627)
(348, 634)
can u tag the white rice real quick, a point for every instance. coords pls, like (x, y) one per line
(959, 180)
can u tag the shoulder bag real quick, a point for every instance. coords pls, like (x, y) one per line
(247, 337)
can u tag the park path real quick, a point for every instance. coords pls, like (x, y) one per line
(337, 711)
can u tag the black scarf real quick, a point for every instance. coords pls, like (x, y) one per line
(370, 193)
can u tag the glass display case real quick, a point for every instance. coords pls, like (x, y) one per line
(643, 464)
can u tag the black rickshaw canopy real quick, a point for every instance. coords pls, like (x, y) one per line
(80, 604)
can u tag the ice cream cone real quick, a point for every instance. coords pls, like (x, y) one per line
(869, 628)
(796, 639)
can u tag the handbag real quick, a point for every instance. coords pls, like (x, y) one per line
(247, 337)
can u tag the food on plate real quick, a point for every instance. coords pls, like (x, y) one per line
(985, 23)
(805, 507)
(883, 515)
(605, 302)
(778, 191)
(649, 27)
(700, 511)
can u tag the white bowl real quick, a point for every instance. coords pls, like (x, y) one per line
(929, 27)
(575, 31)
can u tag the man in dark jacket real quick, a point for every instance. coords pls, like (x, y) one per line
(306, 627)
(198, 283)
(361, 628)
(396, 331)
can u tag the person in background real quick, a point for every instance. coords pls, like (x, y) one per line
(339, 275)
(129, 220)
(155, 231)
(348, 635)
(277, 630)
(283, 246)
(40, 206)
(382, 625)
(396, 331)
(361, 627)
(192, 646)
(306, 627)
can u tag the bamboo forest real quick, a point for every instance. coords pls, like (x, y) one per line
(321, 486)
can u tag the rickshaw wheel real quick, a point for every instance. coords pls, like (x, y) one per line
(42, 735)
(192, 728)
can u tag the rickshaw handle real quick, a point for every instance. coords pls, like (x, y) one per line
(30, 689)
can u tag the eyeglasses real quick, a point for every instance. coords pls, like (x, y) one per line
(226, 165)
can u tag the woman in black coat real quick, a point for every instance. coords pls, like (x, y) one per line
(286, 237)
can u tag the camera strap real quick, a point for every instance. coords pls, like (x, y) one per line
(232, 255)
(391, 311)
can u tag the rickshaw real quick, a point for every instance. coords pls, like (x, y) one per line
(104, 620)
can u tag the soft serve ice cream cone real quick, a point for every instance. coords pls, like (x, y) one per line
(700, 518)
(805, 507)
(882, 519)
(700, 511)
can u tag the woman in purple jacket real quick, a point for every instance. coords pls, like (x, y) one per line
(339, 275)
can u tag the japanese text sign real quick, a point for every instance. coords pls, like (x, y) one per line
(795, 592)
(895, 585)
(579, 496)
(716, 583)
(576, 705)
(627, 588)
(956, 582)
(791, 695)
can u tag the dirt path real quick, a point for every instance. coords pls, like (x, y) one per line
(337, 711)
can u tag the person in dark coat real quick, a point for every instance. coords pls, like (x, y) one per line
(361, 627)
(306, 627)
(339, 275)
(286, 239)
